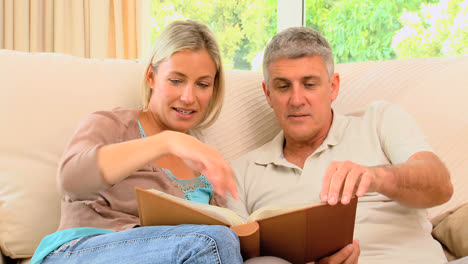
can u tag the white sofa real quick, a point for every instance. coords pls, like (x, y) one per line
(44, 96)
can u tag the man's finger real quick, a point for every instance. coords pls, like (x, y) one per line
(337, 182)
(326, 182)
(339, 257)
(364, 184)
(354, 257)
(349, 185)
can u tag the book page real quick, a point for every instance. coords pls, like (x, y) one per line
(221, 213)
(272, 210)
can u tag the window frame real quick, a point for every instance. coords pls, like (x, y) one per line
(290, 13)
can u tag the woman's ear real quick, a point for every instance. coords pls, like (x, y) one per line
(150, 76)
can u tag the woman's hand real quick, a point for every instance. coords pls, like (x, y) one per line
(202, 158)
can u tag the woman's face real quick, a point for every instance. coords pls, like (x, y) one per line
(182, 88)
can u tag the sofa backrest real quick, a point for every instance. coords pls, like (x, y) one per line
(433, 90)
(43, 97)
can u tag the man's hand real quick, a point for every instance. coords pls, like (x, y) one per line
(343, 179)
(422, 181)
(347, 255)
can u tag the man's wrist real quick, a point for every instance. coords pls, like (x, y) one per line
(383, 177)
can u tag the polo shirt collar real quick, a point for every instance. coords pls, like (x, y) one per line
(272, 152)
(336, 132)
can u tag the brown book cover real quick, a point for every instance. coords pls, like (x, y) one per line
(300, 233)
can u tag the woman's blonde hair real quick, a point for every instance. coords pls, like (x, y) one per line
(188, 35)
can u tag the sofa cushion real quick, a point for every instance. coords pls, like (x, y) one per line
(246, 120)
(43, 97)
(451, 229)
(433, 91)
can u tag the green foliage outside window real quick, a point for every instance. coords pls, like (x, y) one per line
(358, 30)
(366, 30)
(438, 30)
(242, 27)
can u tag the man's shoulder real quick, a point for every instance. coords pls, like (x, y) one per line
(377, 110)
(252, 156)
(377, 106)
(382, 106)
(387, 111)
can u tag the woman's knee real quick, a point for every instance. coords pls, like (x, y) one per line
(221, 234)
(227, 245)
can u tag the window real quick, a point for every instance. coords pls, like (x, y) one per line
(358, 30)
(366, 30)
(242, 27)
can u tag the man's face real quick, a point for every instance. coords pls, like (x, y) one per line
(300, 93)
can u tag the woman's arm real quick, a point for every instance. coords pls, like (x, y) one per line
(117, 161)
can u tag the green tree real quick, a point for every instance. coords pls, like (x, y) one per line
(359, 30)
(242, 27)
(438, 30)
(259, 25)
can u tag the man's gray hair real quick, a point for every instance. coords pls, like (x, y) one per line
(297, 42)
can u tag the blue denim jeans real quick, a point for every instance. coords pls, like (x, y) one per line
(153, 244)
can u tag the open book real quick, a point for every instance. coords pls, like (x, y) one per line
(300, 233)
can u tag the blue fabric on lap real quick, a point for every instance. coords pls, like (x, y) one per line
(57, 239)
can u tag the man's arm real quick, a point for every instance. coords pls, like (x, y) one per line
(422, 181)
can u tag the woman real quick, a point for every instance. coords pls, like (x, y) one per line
(113, 151)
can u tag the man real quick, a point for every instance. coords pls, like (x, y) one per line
(379, 154)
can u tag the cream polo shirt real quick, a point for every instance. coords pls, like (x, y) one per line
(382, 133)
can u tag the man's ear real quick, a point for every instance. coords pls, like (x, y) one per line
(266, 91)
(335, 86)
